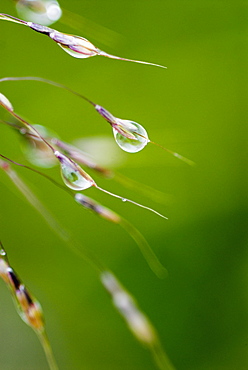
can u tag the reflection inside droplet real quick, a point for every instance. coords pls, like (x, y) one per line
(129, 145)
(73, 176)
(77, 47)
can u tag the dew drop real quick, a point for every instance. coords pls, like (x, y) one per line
(76, 46)
(74, 53)
(133, 128)
(44, 12)
(2, 253)
(72, 174)
(123, 199)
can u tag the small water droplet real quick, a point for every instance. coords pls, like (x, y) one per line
(135, 129)
(123, 199)
(2, 252)
(44, 12)
(72, 174)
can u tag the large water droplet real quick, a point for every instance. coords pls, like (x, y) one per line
(72, 174)
(44, 12)
(135, 129)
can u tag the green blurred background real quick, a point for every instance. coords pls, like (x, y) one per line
(195, 107)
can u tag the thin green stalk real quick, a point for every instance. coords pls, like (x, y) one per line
(160, 357)
(47, 349)
(145, 249)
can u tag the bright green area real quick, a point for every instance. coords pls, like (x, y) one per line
(195, 107)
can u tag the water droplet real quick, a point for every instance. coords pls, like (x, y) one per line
(44, 12)
(2, 252)
(123, 199)
(76, 46)
(72, 174)
(136, 130)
